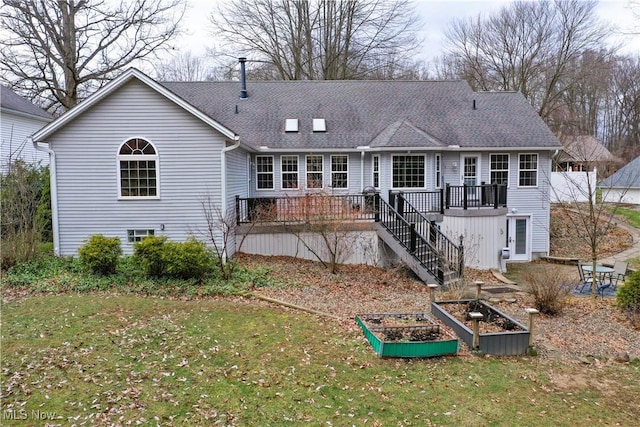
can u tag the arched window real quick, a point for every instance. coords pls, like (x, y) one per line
(138, 169)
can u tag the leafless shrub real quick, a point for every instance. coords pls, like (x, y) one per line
(548, 288)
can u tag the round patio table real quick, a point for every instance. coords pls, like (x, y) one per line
(601, 271)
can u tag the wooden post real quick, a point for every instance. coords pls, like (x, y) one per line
(475, 316)
(479, 284)
(432, 288)
(532, 312)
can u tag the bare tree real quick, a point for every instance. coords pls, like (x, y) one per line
(222, 232)
(591, 218)
(185, 67)
(59, 51)
(622, 105)
(319, 39)
(527, 47)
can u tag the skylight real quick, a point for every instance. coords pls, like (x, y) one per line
(319, 125)
(291, 125)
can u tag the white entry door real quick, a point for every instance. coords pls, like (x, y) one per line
(470, 164)
(519, 238)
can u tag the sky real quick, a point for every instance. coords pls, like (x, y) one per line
(436, 16)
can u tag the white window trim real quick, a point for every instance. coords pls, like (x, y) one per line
(139, 233)
(307, 172)
(120, 157)
(508, 167)
(332, 171)
(273, 174)
(282, 172)
(537, 169)
(437, 171)
(424, 172)
(374, 171)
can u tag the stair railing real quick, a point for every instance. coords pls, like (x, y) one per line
(451, 256)
(412, 237)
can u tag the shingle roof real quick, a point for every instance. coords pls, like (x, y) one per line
(627, 176)
(584, 148)
(10, 100)
(367, 112)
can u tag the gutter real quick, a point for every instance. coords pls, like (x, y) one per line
(54, 194)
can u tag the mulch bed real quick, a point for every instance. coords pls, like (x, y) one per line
(491, 322)
(584, 329)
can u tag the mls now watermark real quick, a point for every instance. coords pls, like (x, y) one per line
(23, 414)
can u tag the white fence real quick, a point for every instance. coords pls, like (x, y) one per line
(573, 186)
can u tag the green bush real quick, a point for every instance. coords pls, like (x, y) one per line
(100, 254)
(149, 253)
(628, 295)
(187, 260)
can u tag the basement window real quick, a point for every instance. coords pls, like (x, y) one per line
(137, 235)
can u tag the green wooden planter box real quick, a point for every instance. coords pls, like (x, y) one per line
(444, 345)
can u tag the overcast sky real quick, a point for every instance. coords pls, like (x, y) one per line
(436, 15)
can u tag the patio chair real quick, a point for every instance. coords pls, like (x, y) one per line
(586, 278)
(619, 273)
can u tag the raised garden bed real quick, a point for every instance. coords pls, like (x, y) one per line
(406, 335)
(499, 334)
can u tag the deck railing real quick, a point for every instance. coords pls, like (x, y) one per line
(465, 196)
(422, 239)
(307, 208)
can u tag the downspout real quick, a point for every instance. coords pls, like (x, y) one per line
(223, 180)
(54, 195)
(362, 170)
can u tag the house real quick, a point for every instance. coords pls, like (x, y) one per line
(582, 152)
(139, 157)
(19, 120)
(577, 166)
(624, 185)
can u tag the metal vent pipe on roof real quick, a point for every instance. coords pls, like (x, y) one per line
(243, 78)
(474, 104)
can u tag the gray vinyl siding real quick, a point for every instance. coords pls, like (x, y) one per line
(86, 154)
(534, 200)
(15, 144)
(237, 185)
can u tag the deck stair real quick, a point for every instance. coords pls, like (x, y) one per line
(419, 243)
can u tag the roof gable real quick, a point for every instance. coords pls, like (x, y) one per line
(404, 134)
(115, 84)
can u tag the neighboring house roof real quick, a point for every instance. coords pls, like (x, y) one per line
(11, 101)
(627, 176)
(584, 148)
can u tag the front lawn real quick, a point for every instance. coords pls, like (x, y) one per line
(112, 359)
